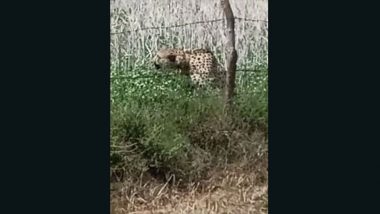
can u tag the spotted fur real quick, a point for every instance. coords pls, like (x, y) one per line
(199, 64)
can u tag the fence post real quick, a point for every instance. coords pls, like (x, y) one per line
(231, 54)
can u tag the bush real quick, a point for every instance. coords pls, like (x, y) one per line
(160, 126)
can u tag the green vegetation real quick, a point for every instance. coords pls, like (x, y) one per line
(163, 127)
(171, 145)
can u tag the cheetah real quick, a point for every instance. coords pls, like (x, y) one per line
(199, 64)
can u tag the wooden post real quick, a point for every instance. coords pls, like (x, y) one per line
(231, 54)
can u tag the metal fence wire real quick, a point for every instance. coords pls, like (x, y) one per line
(185, 24)
(140, 28)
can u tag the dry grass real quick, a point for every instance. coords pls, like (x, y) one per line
(233, 190)
(238, 187)
(135, 46)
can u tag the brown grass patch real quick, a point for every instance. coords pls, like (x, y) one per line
(232, 190)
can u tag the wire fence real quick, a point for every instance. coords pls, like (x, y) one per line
(135, 37)
(141, 28)
(168, 75)
(187, 24)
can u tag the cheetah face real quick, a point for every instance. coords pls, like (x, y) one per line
(167, 61)
(166, 58)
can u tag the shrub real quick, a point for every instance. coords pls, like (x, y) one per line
(161, 126)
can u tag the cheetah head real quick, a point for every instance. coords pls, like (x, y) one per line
(168, 58)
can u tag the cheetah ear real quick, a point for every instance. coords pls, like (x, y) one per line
(171, 57)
